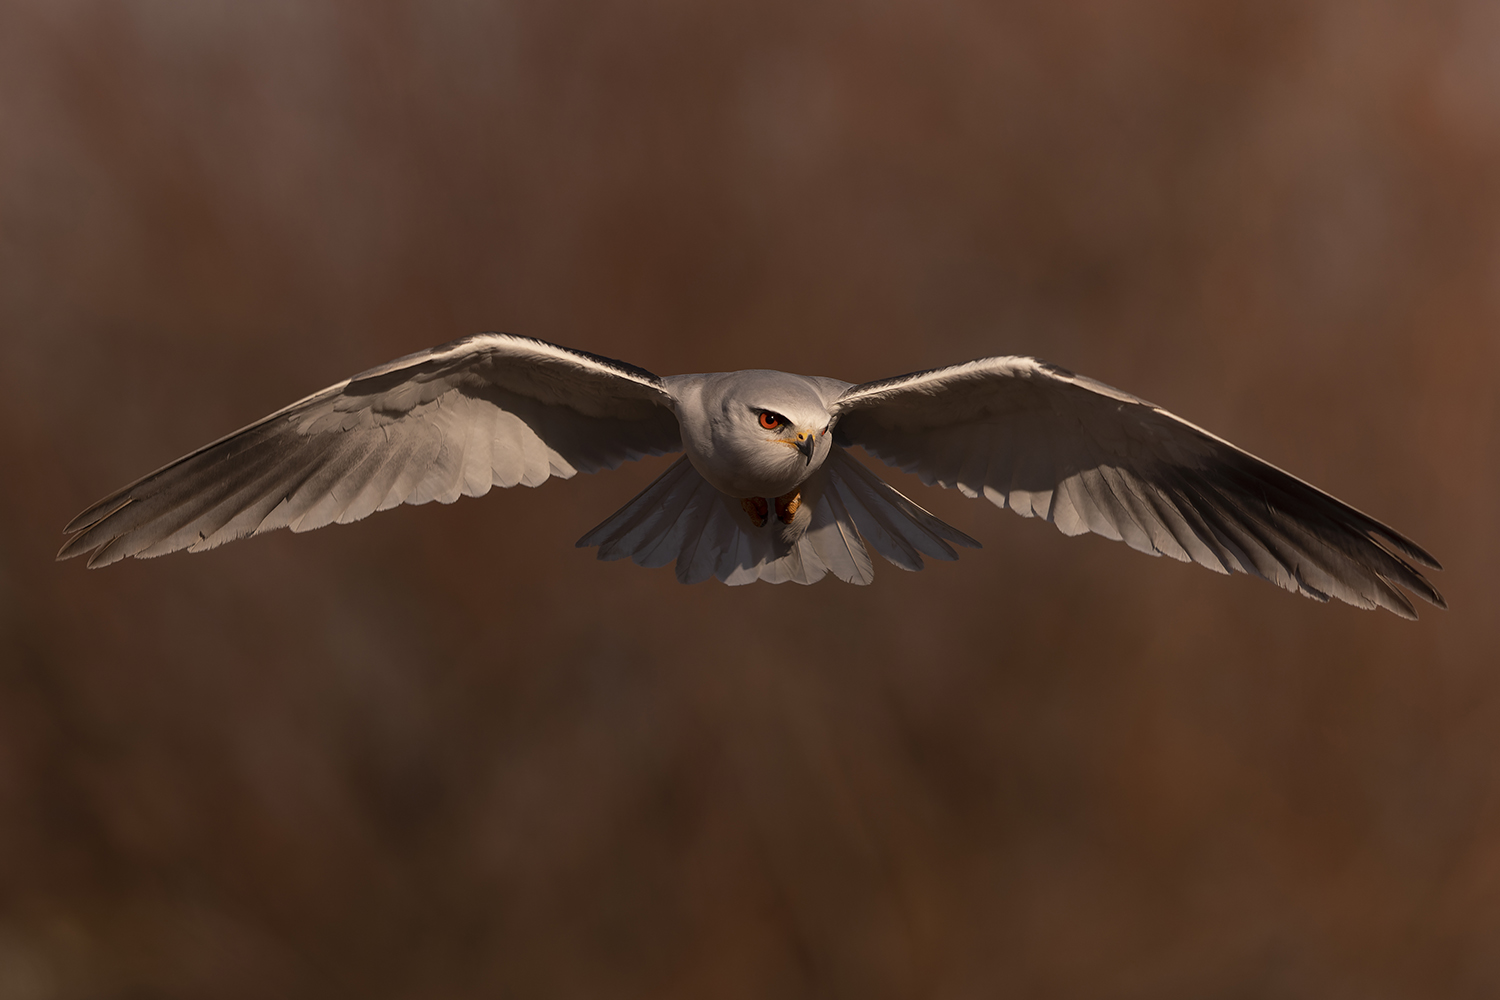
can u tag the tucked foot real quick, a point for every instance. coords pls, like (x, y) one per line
(756, 507)
(786, 506)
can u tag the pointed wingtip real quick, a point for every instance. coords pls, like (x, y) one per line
(1410, 549)
(70, 549)
(1409, 613)
(91, 516)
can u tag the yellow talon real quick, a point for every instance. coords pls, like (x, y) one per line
(786, 506)
(756, 508)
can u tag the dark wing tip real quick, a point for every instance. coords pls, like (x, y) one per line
(1408, 548)
(1400, 605)
(1431, 596)
(1407, 613)
(75, 547)
(81, 540)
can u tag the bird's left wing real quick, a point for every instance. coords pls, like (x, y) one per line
(489, 410)
(1048, 443)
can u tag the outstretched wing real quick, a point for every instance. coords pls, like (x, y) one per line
(489, 410)
(1048, 443)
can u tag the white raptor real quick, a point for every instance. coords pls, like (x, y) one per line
(765, 489)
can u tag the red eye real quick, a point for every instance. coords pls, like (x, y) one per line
(770, 421)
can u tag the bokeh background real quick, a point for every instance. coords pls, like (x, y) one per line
(443, 753)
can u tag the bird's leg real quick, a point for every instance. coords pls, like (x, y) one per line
(786, 506)
(756, 508)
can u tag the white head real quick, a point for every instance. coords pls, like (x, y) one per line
(762, 433)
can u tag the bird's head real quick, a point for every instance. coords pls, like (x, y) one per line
(771, 432)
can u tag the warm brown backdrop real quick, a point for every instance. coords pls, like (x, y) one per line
(442, 753)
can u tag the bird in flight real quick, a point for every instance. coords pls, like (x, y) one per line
(766, 488)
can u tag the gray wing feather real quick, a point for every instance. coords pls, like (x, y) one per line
(836, 541)
(900, 530)
(1047, 443)
(490, 410)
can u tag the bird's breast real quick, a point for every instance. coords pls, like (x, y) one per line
(751, 465)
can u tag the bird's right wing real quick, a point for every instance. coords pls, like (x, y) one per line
(1048, 443)
(489, 410)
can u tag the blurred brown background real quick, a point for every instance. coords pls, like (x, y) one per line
(442, 753)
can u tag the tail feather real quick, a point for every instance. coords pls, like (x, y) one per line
(681, 517)
(900, 530)
(644, 518)
(836, 540)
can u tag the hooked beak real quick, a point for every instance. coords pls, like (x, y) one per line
(806, 442)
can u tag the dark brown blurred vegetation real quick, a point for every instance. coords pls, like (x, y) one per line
(442, 753)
